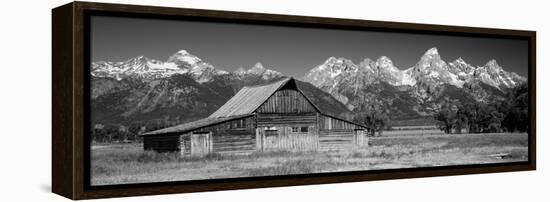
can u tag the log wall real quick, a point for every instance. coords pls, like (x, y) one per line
(161, 143)
(286, 119)
(336, 139)
(228, 141)
(234, 142)
(329, 123)
(232, 137)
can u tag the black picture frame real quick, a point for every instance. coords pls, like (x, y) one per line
(70, 100)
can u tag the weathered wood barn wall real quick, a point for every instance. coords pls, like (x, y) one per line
(337, 133)
(235, 136)
(271, 117)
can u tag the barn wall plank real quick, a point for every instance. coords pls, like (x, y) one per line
(164, 143)
(305, 119)
(282, 138)
(330, 123)
(286, 101)
(337, 138)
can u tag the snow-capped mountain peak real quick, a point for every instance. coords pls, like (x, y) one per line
(493, 74)
(337, 65)
(259, 69)
(332, 68)
(385, 63)
(461, 65)
(138, 59)
(461, 61)
(389, 73)
(341, 78)
(492, 64)
(384, 60)
(182, 52)
(331, 59)
(181, 62)
(432, 51)
(431, 55)
(338, 72)
(184, 58)
(140, 67)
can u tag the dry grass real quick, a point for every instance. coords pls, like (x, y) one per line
(427, 131)
(128, 163)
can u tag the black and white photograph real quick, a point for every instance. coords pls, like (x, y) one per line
(181, 100)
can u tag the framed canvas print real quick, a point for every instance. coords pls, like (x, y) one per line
(155, 100)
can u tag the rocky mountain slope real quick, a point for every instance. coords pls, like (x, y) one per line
(185, 88)
(413, 92)
(182, 89)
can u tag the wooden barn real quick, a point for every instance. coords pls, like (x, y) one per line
(276, 116)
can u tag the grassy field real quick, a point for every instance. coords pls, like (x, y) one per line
(416, 132)
(128, 163)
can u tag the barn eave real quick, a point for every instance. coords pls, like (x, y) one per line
(194, 125)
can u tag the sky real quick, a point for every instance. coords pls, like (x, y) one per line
(290, 50)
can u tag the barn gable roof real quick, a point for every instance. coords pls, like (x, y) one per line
(250, 98)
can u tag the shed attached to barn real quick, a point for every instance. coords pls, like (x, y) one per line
(276, 116)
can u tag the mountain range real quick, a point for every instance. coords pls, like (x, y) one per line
(185, 88)
(182, 89)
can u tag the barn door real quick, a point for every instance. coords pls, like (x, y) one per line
(266, 138)
(360, 138)
(201, 143)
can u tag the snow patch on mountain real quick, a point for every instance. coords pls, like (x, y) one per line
(181, 62)
(140, 67)
(258, 70)
(342, 78)
(493, 74)
(328, 73)
(432, 51)
(391, 74)
(184, 57)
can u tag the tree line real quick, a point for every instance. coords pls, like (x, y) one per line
(109, 133)
(376, 117)
(509, 115)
